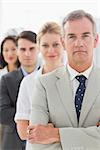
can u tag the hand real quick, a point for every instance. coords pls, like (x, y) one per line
(43, 134)
(98, 124)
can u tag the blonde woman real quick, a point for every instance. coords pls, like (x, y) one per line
(49, 40)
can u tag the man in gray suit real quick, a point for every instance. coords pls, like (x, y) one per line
(9, 86)
(69, 98)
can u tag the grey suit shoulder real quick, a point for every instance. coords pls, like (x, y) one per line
(9, 86)
(53, 102)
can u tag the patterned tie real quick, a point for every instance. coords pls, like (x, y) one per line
(79, 94)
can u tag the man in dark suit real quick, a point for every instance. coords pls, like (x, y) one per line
(9, 87)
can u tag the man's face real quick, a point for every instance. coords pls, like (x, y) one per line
(79, 41)
(27, 52)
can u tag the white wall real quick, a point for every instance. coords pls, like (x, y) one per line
(31, 14)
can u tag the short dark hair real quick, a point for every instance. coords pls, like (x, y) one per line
(3, 63)
(28, 35)
(79, 14)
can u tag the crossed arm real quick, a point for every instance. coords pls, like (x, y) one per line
(69, 138)
(44, 134)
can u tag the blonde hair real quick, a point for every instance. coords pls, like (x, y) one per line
(48, 27)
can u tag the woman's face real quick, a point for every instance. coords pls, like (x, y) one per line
(51, 48)
(10, 52)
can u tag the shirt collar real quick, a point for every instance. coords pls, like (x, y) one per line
(25, 73)
(73, 73)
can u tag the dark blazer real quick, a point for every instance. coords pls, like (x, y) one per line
(9, 87)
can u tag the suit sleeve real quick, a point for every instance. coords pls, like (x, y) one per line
(80, 138)
(71, 138)
(40, 115)
(7, 110)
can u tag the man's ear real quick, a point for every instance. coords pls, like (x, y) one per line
(17, 52)
(38, 48)
(96, 40)
(63, 43)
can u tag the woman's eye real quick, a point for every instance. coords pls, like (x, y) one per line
(6, 50)
(13, 49)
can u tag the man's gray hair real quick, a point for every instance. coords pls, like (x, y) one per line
(79, 14)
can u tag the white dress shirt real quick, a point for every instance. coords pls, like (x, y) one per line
(25, 95)
(73, 73)
(3, 71)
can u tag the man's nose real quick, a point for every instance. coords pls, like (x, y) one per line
(27, 53)
(79, 42)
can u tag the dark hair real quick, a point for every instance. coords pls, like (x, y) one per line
(3, 63)
(0, 62)
(28, 35)
(79, 14)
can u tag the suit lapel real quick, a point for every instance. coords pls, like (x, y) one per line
(65, 90)
(90, 94)
(16, 83)
(19, 77)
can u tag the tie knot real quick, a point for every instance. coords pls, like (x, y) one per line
(81, 78)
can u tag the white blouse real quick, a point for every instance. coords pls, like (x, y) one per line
(3, 71)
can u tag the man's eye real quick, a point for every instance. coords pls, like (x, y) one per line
(22, 49)
(56, 44)
(45, 45)
(85, 35)
(71, 37)
(32, 49)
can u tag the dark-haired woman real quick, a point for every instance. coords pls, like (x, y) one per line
(9, 60)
